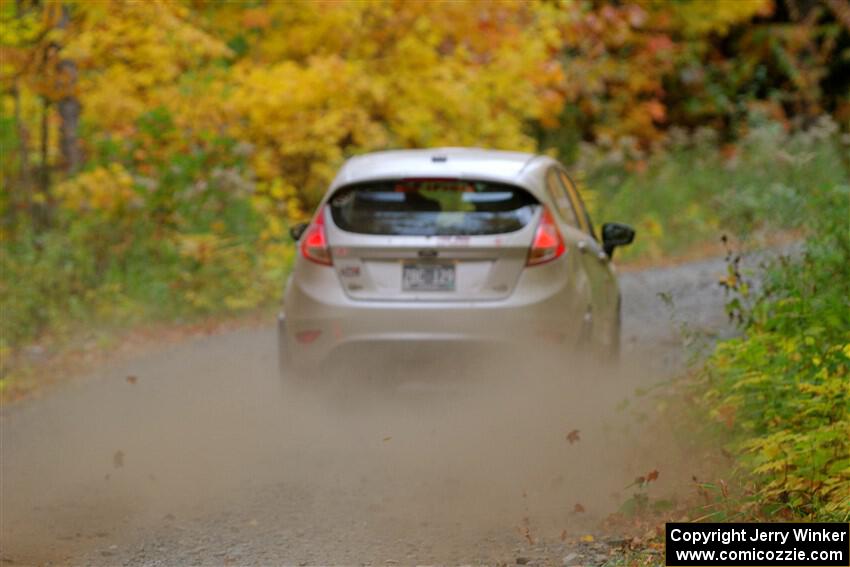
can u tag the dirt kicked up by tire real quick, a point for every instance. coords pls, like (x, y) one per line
(200, 461)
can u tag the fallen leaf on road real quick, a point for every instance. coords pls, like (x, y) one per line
(587, 538)
(578, 508)
(132, 379)
(573, 436)
(118, 459)
(563, 535)
(653, 475)
(387, 439)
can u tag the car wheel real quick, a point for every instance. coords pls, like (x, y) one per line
(616, 332)
(285, 365)
(605, 341)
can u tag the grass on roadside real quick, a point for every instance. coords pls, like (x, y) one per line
(776, 398)
(782, 389)
(694, 188)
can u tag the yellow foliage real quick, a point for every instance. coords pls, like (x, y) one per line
(308, 83)
(107, 189)
(140, 50)
(350, 77)
(699, 17)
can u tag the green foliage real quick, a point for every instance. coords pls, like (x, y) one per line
(783, 387)
(180, 241)
(692, 188)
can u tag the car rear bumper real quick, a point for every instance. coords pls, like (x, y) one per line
(322, 331)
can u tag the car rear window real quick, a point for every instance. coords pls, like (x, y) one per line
(432, 207)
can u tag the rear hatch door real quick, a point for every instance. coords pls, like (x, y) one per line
(430, 239)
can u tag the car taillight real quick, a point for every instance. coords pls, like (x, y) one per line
(314, 242)
(548, 243)
(307, 337)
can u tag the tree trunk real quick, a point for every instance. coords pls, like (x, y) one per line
(68, 107)
(69, 144)
(24, 200)
(41, 208)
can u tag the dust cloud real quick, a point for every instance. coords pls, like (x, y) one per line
(457, 460)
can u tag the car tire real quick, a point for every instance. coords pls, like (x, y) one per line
(615, 339)
(285, 363)
(605, 341)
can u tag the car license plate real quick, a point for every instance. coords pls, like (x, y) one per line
(428, 277)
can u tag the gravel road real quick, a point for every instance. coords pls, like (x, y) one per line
(194, 455)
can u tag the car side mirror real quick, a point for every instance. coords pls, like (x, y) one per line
(616, 234)
(296, 230)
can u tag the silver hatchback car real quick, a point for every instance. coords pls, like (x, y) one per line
(423, 251)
